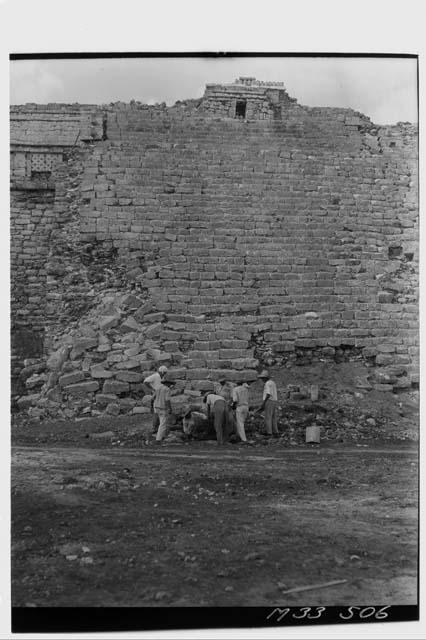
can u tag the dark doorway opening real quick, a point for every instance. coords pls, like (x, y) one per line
(240, 109)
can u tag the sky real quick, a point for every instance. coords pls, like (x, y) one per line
(384, 89)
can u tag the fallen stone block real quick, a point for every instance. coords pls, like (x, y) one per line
(33, 362)
(128, 364)
(126, 403)
(146, 365)
(81, 345)
(108, 322)
(132, 351)
(99, 372)
(143, 310)
(131, 301)
(103, 348)
(155, 317)
(154, 353)
(165, 357)
(82, 388)
(36, 380)
(175, 374)
(24, 402)
(203, 385)
(103, 399)
(115, 357)
(130, 325)
(57, 359)
(154, 330)
(30, 370)
(115, 386)
(129, 376)
(140, 410)
(197, 374)
(71, 378)
(176, 326)
(193, 393)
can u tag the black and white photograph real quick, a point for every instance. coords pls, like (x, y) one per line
(214, 316)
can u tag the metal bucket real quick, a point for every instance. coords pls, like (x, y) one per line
(312, 434)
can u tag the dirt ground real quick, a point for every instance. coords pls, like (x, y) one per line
(98, 522)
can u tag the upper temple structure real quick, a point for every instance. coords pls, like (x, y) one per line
(217, 235)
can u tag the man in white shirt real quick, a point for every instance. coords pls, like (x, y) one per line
(162, 408)
(216, 406)
(152, 382)
(269, 404)
(240, 398)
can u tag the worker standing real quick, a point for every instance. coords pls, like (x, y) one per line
(153, 382)
(162, 408)
(224, 388)
(240, 397)
(216, 407)
(269, 404)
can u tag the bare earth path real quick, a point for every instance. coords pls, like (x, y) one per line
(196, 525)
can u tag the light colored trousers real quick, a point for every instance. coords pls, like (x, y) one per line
(162, 427)
(271, 416)
(241, 414)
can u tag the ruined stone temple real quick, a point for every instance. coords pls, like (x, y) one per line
(217, 235)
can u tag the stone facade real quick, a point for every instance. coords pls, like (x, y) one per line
(257, 230)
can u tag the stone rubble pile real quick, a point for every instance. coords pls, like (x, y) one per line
(98, 366)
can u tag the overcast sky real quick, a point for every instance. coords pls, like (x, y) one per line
(385, 89)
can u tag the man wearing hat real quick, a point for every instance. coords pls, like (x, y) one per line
(153, 381)
(269, 404)
(240, 402)
(162, 407)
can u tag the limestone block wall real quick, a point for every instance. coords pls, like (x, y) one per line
(298, 233)
(255, 240)
(41, 138)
